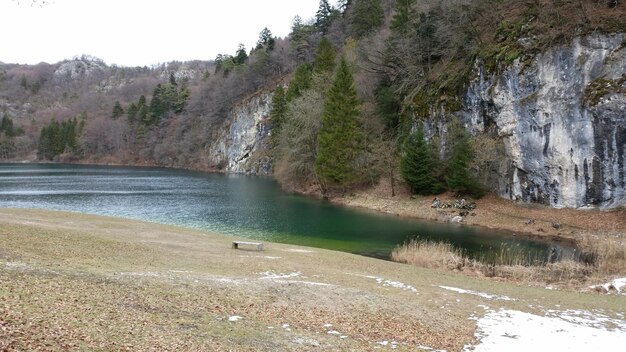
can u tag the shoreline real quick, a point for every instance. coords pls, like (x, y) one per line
(531, 221)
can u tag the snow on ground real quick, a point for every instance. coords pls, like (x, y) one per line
(235, 318)
(572, 331)
(476, 293)
(617, 285)
(389, 283)
(270, 275)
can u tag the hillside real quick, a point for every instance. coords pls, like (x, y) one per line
(523, 99)
(67, 277)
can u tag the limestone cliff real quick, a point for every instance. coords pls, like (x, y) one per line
(562, 118)
(242, 143)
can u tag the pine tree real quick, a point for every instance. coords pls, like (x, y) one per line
(266, 40)
(6, 126)
(341, 137)
(132, 112)
(182, 97)
(402, 18)
(459, 178)
(279, 110)
(367, 16)
(117, 110)
(323, 16)
(301, 81)
(241, 56)
(324, 57)
(417, 165)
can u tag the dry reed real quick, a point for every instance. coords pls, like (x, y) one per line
(596, 259)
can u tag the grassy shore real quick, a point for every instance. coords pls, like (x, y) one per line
(79, 282)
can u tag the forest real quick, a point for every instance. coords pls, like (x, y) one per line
(352, 88)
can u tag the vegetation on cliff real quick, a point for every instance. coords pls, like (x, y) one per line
(410, 60)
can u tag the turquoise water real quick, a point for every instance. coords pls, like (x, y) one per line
(245, 206)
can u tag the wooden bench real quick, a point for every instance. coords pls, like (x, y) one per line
(257, 245)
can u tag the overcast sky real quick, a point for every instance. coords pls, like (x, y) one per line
(140, 32)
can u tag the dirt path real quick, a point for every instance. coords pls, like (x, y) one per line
(73, 281)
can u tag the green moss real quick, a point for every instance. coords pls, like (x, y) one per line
(602, 87)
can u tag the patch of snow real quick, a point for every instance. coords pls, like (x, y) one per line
(343, 337)
(19, 266)
(384, 343)
(588, 319)
(272, 275)
(328, 325)
(390, 283)
(235, 318)
(312, 283)
(511, 331)
(180, 271)
(476, 293)
(617, 285)
(426, 348)
(334, 332)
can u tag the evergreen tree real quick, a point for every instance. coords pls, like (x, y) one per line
(323, 16)
(182, 97)
(157, 107)
(6, 126)
(325, 56)
(388, 106)
(132, 112)
(301, 81)
(279, 110)
(367, 16)
(266, 40)
(241, 56)
(417, 165)
(341, 137)
(402, 18)
(459, 178)
(117, 110)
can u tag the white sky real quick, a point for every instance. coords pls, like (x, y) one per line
(140, 32)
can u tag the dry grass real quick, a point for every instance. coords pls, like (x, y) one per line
(599, 260)
(79, 282)
(429, 254)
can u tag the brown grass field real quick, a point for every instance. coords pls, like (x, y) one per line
(80, 282)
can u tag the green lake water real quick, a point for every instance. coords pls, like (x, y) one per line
(245, 206)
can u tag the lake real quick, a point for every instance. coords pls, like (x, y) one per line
(245, 206)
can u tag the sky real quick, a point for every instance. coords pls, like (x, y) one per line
(140, 32)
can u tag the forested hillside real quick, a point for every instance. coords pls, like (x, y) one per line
(366, 90)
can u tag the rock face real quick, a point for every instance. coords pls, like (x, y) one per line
(73, 69)
(562, 118)
(242, 143)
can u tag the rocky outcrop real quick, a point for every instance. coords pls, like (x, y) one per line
(79, 67)
(562, 118)
(242, 143)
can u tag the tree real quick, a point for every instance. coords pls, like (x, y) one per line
(266, 40)
(341, 137)
(117, 110)
(367, 16)
(301, 81)
(459, 178)
(323, 16)
(6, 126)
(417, 165)
(402, 18)
(279, 110)
(241, 56)
(325, 56)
